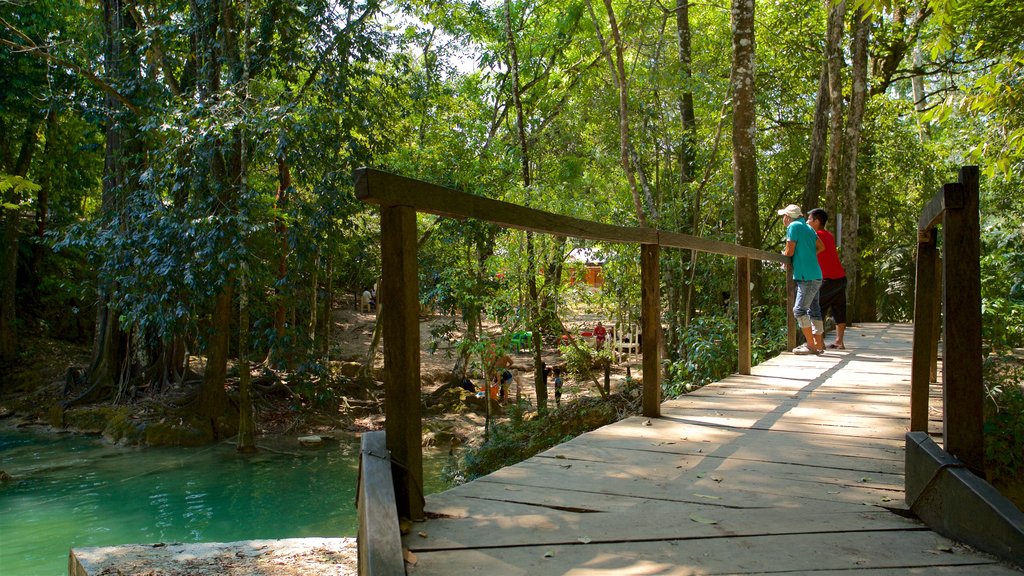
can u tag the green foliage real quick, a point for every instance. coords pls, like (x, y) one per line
(709, 353)
(581, 359)
(1002, 282)
(521, 438)
(1004, 419)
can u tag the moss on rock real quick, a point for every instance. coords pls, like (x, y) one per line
(191, 431)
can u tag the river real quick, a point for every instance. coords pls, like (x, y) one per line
(73, 491)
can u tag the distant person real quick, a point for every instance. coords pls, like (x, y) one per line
(506, 381)
(803, 244)
(558, 386)
(600, 335)
(364, 301)
(832, 296)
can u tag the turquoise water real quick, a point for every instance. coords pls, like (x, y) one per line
(72, 491)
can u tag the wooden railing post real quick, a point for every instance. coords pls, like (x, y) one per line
(963, 390)
(743, 315)
(790, 302)
(400, 323)
(933, 363)
(925, 307)
(650, 321)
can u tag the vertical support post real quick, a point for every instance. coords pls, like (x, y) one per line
(400, 324)
(925, 307)
(933, 367)
(650, 321)
(963, 391)
(790, 302)
(743, 315)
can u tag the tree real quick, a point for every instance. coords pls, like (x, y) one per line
(744, 129)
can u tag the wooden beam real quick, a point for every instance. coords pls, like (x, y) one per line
(743, 316)
(401, 332)
(380, 539)
(925, 306)
(685, 241)
(386, 189)
(650, 321)
(963, 391)
(950, 197)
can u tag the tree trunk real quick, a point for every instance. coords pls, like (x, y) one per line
(284, 185)
(8, 290)
(744, 145)
(834, 53)
(812, 188)
(121, 159)
(246, 417)
(686, 113)
(858, 97)
(623, 86)
(540, 384)
(213, 400)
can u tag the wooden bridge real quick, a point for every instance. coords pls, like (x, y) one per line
(798, 465)
(794, 469)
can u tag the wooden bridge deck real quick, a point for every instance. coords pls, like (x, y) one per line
(796, 469)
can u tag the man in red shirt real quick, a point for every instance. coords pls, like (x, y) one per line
(833, 288)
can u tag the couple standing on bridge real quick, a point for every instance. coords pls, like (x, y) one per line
(819, 276)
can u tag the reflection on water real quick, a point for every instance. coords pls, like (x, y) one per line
(71, 491)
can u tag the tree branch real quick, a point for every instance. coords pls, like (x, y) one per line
(41, 52)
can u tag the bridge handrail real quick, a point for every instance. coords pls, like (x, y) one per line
(386, 189)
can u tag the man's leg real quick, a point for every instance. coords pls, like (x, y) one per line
(806, 290)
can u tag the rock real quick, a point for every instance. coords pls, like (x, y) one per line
(311, 441)
(349, 369)
(5, 477)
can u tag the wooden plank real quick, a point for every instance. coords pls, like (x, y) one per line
(379, 542)
(961, 366)
(401, 332)
(743, 315)
(934, 211)
(641, 520)
(650, 320)
(688, 242)
(925, 305)
(386, 189)
(908, 552)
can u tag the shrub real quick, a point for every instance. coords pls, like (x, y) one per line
(1004, 424)
(521, 438)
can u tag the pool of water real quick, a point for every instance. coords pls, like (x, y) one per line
(73, 491)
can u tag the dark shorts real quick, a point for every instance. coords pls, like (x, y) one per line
(833, 298)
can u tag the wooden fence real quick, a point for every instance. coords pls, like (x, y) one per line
(401, 198)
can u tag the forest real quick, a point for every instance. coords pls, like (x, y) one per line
(177, 176)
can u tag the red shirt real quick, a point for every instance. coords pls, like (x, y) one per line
(828, 258)
(600, 333)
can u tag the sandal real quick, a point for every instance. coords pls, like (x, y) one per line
(837, 346)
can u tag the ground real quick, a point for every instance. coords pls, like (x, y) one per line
(351, 405)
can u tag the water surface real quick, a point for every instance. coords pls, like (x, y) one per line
(74, 491)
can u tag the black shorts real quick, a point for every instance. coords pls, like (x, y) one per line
(833, 296)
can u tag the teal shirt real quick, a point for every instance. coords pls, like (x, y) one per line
(805, 257)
